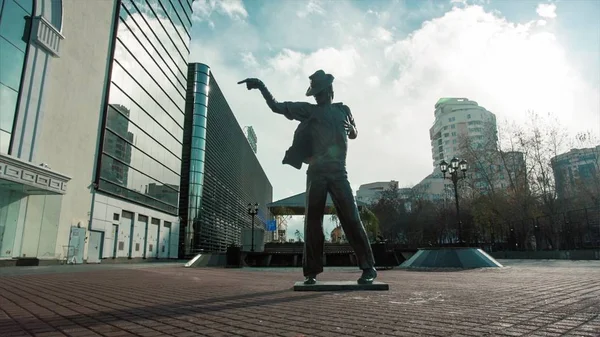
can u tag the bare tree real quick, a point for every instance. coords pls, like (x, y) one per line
(389, 210)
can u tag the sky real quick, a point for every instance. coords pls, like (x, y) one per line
(392, 60)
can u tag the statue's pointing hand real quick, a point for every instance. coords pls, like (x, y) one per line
(252, 83)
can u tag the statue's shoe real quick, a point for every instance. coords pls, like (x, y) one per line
(368, 276)
(310, 280)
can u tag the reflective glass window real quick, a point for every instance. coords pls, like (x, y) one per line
(8, 101)
(164, 39)
(14, 26)
(200, 109)
(144, 120)
(199, 121)
(134, 135)
(171, 23)
(139, 26)
(198, 143)
(183, 16)
(143, 139)
(134, 92)
(132, 44)
(4, 141)
(147, 93)
(122, 150)
(11, 64)
(13, 23)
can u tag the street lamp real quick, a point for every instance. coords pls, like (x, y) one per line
(455, 166)
(252, 210)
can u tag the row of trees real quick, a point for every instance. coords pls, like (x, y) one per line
(509, 198)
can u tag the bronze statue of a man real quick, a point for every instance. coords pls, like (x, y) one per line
(321, 141)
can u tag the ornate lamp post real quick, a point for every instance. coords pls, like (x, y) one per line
(455, 166)
(252, 210)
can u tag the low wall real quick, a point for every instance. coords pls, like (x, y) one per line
(583, 254)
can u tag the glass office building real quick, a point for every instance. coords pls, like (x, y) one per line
(15, 25)
(142, 132)
(220, 174)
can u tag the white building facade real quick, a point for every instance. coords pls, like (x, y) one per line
(371, 192)
(83, 175)
(457, 119)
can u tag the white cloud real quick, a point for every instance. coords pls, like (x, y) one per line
(203, 9)
(249, 60)
(392, 86)
(340, 62)
(382, 34)
(546, 10)
(373, 81)
(287, 61)
(312, 7)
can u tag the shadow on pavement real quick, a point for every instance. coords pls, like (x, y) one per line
(172, 310)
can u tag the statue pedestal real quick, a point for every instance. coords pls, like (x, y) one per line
(339, 286)
(450, 258)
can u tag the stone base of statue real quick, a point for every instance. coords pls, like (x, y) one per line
(340, 286)
(450, 258)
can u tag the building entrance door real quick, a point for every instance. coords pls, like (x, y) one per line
(94, 247)
(76, 245)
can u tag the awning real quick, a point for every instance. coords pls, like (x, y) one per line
(22, 176)
(296, 204)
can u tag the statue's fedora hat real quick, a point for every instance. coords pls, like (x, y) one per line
(319, 81)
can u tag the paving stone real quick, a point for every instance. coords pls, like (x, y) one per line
(524, 299)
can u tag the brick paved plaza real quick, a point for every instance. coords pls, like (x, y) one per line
(527, 298)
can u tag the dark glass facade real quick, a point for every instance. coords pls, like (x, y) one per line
(15, 25)
(222, 174)
(142, 140)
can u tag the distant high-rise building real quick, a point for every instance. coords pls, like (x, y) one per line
(457, 119)
(577, 171)
(466, 130)
(252, 139)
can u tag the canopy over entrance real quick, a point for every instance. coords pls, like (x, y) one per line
(296, 204)
(21, 176)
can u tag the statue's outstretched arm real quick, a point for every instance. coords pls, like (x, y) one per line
(255, 83)
(292, 110)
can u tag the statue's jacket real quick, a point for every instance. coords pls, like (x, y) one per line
(301, 149)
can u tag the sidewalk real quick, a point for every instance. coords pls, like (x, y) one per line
(528, 298)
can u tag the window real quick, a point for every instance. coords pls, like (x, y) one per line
(454, 133)
(141, 157)
(453, 126)
(451, 119)
(116, 216)
(469, 116)
(15, 25)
